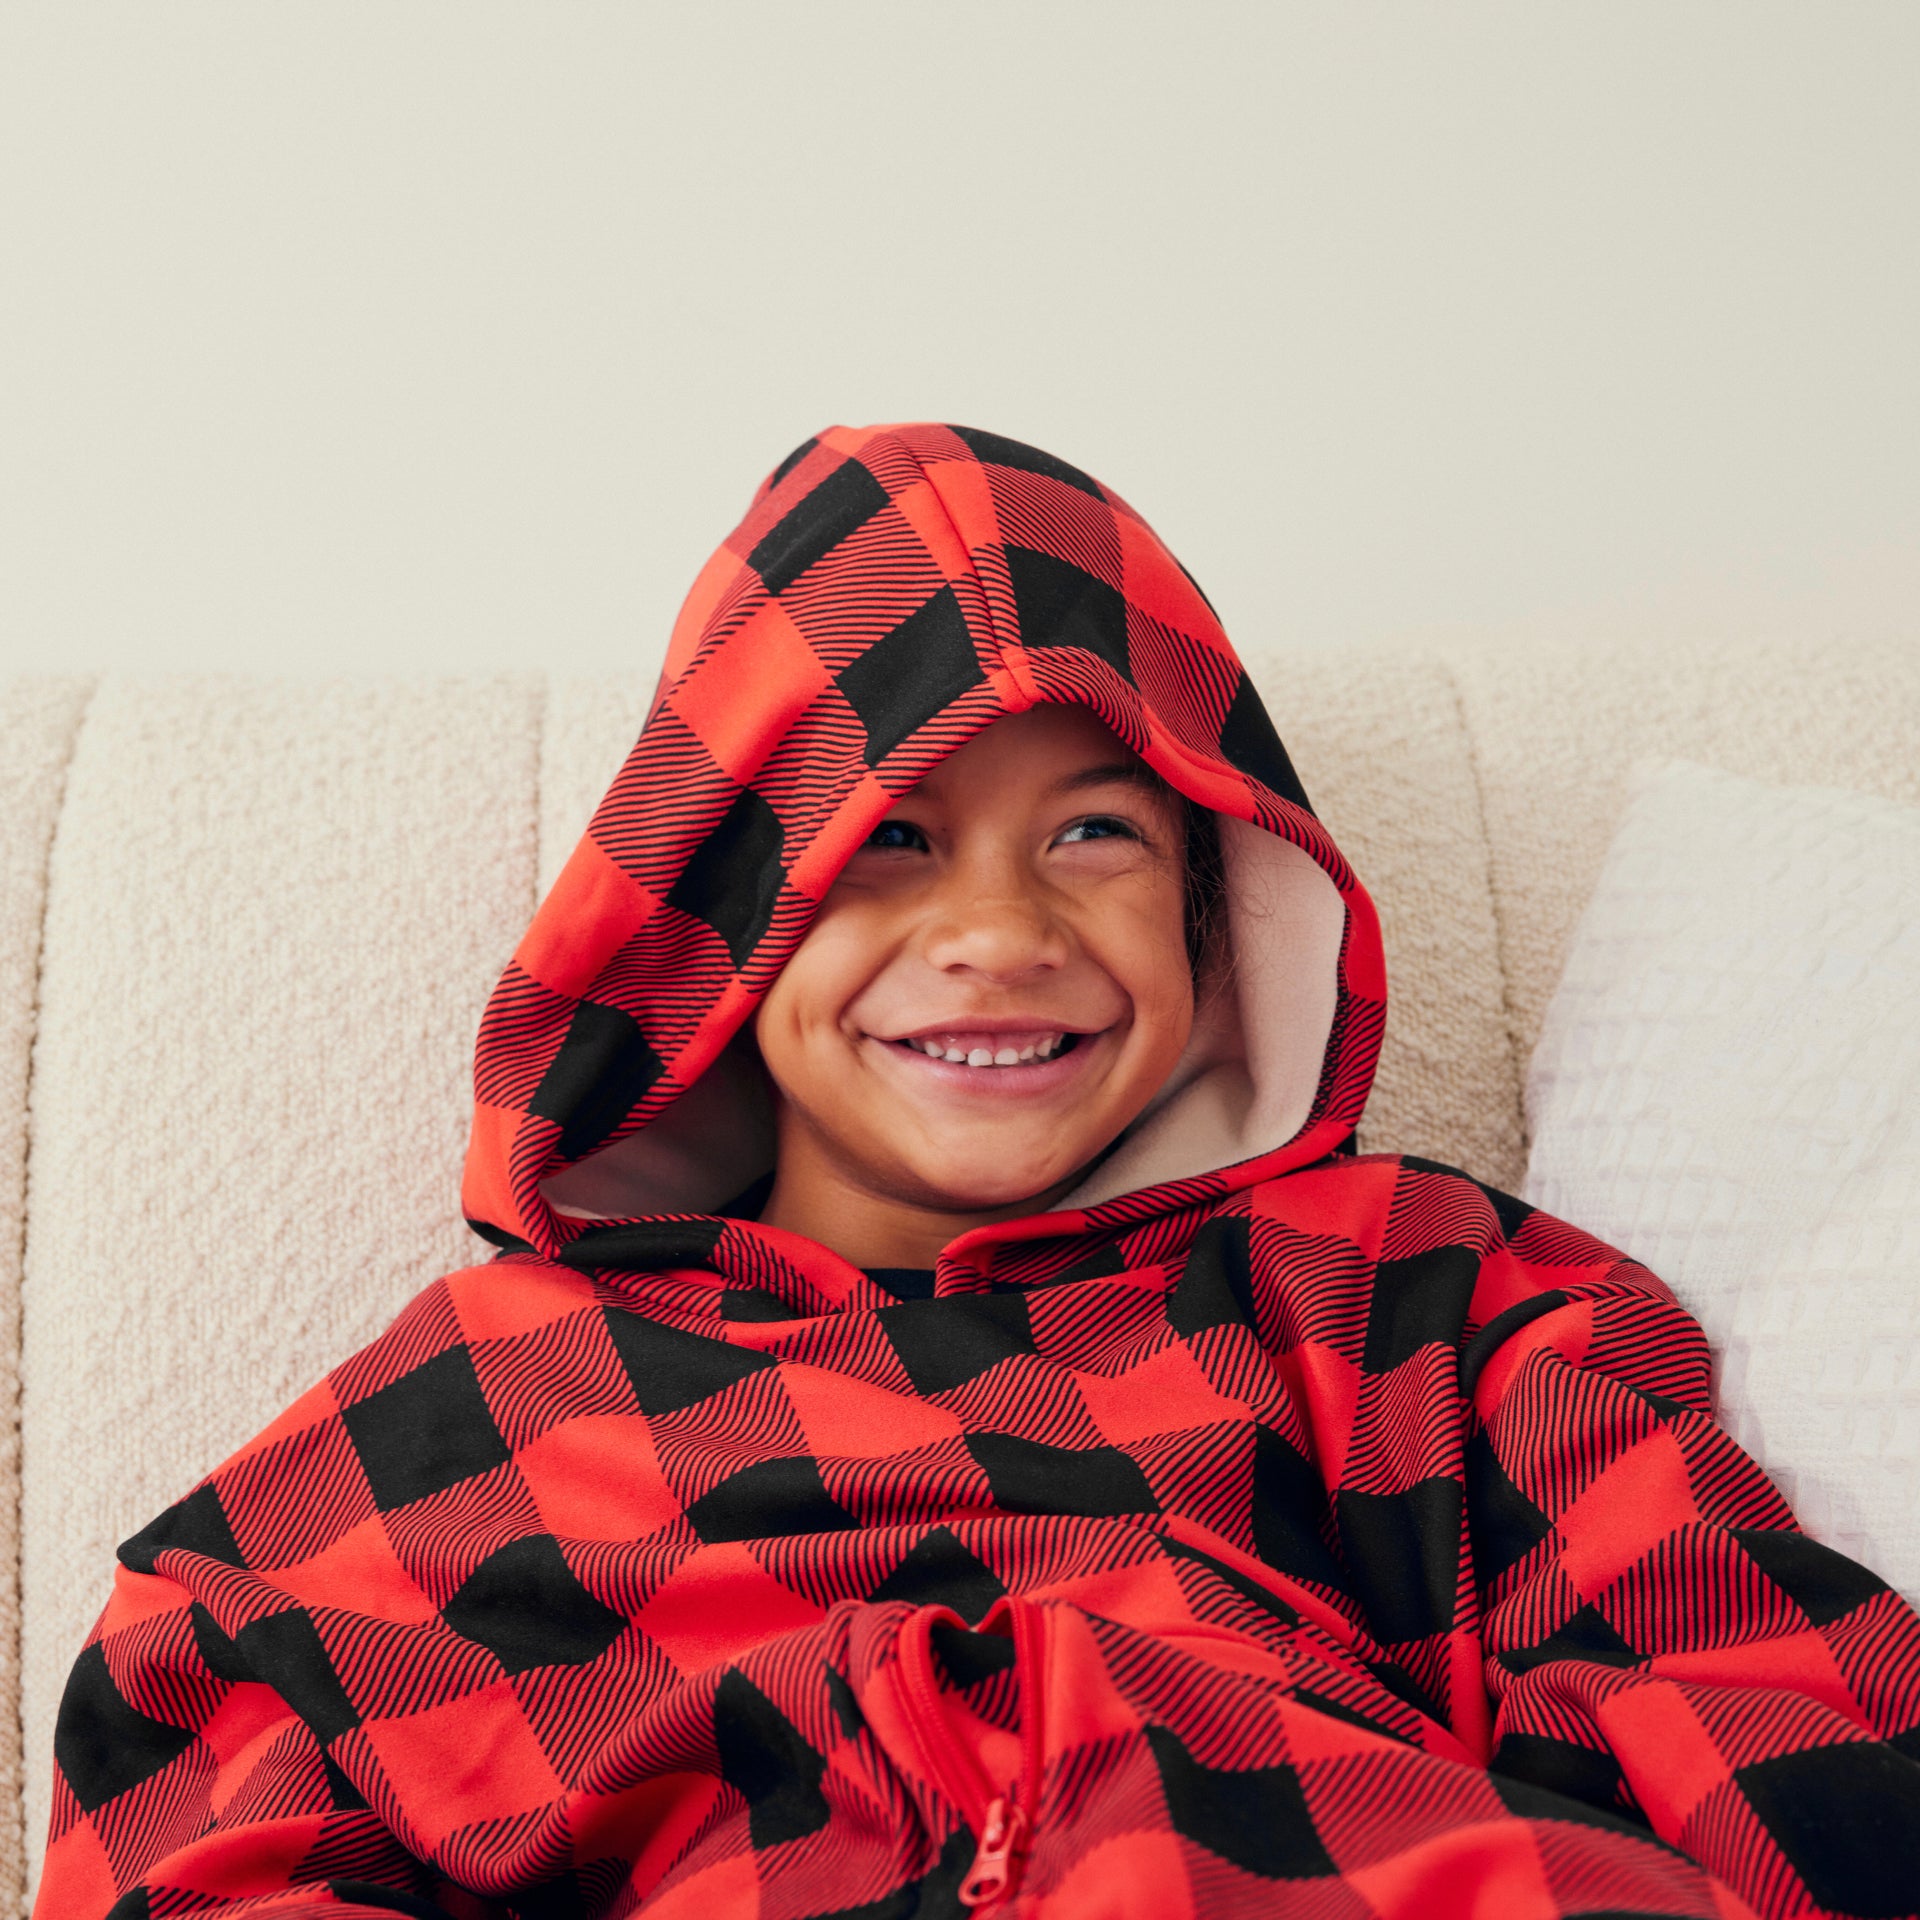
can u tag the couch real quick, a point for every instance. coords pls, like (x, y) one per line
(247, 925)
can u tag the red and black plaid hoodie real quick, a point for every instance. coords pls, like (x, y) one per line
(1270, 1529)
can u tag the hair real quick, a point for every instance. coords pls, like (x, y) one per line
(1206, 893)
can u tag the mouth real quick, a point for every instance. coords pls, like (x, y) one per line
(971, 1050)
(994, 1050)
(999, 1069)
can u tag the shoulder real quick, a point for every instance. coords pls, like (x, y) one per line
(1427, 1244)
(1390, 1203)
(1408, 1201)
(423, 1406)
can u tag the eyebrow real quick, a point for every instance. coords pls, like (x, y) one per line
(1129, 773)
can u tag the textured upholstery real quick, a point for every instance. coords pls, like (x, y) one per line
(272, 910)
(272, 915)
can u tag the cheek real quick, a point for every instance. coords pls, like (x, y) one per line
(771, 1027)
(1150, 962)
(1169, 992)
(784, 1016)
(810, 997)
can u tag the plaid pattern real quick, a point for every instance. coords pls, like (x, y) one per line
(1330, 1535)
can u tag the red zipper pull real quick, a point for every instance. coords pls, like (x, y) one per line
(996, 1861)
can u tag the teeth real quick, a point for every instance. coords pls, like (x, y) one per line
(998, 1056)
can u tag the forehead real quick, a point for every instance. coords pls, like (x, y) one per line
(1034, 754)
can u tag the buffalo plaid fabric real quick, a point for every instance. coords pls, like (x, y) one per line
(1327, 1535)
(891, 592)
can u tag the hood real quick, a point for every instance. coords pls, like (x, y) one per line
(892, 591)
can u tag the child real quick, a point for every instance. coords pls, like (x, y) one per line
(953, 1424)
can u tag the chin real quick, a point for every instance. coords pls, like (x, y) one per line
(952, 1192)
(997, 1202)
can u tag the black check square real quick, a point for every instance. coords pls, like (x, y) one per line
(1059, 605)
(527, 1607)
(733, 881)
(286, 1652)
(844, 501)
(1403, 1553)
(1028, 1476)
(945, 1343)
(1248, 741)
(604, 1068)
(103, 1743)
(907, 676)
(426, 1432)
(996, 450)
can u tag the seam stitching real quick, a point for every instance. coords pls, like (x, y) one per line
(13, 1824)
(1502, 942)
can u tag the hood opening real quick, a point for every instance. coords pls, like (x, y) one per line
(1244, 1086)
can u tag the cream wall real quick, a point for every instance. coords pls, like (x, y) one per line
(450, 336)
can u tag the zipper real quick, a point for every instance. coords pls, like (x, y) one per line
(1002, 1826)
(996, 1860)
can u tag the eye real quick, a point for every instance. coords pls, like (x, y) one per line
(1101, 826)
(898, 836)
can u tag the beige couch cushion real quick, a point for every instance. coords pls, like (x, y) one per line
(1379, 741)
(274, 912)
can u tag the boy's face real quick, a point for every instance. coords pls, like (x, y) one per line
(996, 985)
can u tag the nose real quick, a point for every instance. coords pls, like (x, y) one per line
(993, 918)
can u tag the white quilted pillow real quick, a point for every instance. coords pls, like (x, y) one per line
(1727, 1086)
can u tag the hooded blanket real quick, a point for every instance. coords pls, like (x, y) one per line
(1267, 1529)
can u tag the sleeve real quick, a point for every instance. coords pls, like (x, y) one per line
(184, 1785)
(1660, 1637)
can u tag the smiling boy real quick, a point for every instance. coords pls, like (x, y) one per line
(954, 1426)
